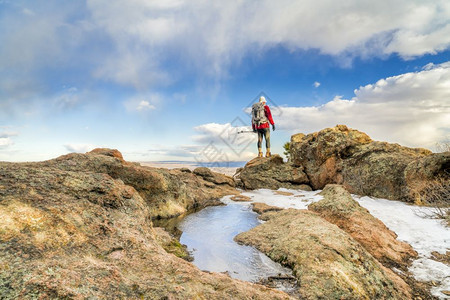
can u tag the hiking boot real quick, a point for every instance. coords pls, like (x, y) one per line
(260, 153)
(268, 152)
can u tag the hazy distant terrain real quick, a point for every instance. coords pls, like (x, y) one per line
(227, 168)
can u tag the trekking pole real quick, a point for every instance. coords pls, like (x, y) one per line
(246, 131)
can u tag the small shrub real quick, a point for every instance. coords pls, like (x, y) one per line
(287, 150)
(436, 194)
(443, 147)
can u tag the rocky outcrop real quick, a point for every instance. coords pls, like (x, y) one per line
(108, 152)
(72, 228)
(168, 193)
(328, 262)
(214, 177)
(261, 208)
(349, 157)
(339, 208)
(428, 179)
(270, 173)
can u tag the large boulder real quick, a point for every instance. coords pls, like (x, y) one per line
(214, 177)
(349, 157)
(85, 235)
(108, 152)
(270, 173)
(428, 179)
(338, 207)
(328, 262)
(168, 193)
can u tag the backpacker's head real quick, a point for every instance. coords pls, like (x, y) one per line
(262, 99)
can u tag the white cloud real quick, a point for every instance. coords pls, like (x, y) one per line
(67, 99)
(145, 105)
(316, 84)
(142, 103)
(178, 151)
(224, 133)
(412, 109)
(38, 39)
(209, 146)
(5, 137)
(5, 142)
(145, 39)
(7, 134)
(211, 36)
(203, 154)
(133, 67)
(224, 142)
(79, 148)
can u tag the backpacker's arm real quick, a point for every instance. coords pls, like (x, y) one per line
(268, 114)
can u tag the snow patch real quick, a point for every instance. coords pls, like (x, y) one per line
(298, 200)
(425, 235)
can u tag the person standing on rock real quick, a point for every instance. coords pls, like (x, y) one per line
(261, 117)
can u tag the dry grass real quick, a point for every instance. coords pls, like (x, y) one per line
(436, 194)
(443, 147)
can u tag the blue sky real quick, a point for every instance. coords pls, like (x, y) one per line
(170, 80)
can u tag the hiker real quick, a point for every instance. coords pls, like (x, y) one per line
(261, 117)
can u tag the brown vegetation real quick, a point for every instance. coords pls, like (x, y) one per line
(436, 195)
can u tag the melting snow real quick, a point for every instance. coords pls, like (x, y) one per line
(425, 235)
(298, 199)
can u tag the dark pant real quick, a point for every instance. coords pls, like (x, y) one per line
(264, 132)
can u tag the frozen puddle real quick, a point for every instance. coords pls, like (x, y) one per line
(209, 236)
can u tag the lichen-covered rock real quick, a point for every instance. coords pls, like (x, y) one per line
(349, 157)
(171, 244)
(85, 235)
(270, 173)
(421, 175)
(339, 208)
(214, 177)
(328, 263)
(261, 208)
(108, 152)
(168, 193)
(241, 198)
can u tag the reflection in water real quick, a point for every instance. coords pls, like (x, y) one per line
(209, 235)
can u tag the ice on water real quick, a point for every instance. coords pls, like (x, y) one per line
(209, 235)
